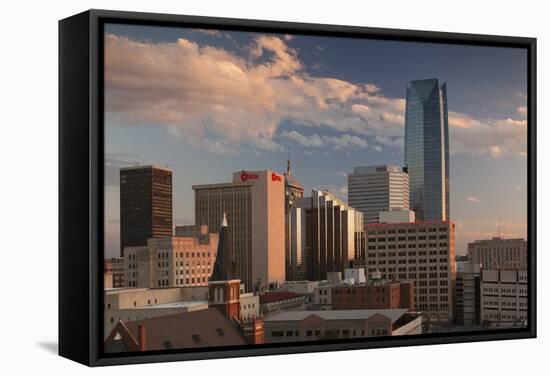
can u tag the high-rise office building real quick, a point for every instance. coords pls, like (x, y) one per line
(293, 234)
(333, 233)
(427, 149)
(254, 204)
(145, 205)
(423, 252)
(373, 189)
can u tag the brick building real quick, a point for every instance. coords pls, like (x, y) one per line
(384, 295)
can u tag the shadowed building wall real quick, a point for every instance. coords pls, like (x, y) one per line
(145, 205)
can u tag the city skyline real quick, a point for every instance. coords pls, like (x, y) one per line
(332, 116)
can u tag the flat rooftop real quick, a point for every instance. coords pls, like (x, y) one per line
(346, 314)
(183, 304)
(139, 167)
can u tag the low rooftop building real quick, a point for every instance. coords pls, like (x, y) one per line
(281, 300)
(129, 304)
(296, 326)
(208, 327)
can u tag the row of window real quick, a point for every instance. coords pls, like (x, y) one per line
(432, 298)
(433, 306)
(405, 261)
(406, 238)
(410, 231)
(329, 333)
(407, 245)
(166, 255)
(442, 252)
(179, 281)
(432, 252)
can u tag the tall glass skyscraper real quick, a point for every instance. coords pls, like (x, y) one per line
(427, 149)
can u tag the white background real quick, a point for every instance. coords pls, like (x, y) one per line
(28, 170)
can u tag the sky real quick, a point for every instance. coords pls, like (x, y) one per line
(206, 103)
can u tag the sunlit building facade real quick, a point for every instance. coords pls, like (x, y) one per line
(254, 203)
(422, 252)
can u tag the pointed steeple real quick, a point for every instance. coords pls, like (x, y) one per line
(222, 266)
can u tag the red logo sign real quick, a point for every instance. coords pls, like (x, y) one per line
(275, 177)
(248, 176)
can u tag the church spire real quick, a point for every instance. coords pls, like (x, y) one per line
(223, 265)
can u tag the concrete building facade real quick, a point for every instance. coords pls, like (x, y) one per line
(355, 275)
(504, 298)
(172, 261)
(113, 273)
(254, 203)
(130, 304)
(396, 216)
(372, 189)
(499, 253)
(422, 252)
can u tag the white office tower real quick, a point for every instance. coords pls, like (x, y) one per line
(373, 189)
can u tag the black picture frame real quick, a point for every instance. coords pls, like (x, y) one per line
(81, 185)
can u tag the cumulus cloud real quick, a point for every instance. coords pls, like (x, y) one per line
(472, 199)
(344, 142)
(219, 100)
(225, 102)
(493, 138)
(211, 32)
(307, 141)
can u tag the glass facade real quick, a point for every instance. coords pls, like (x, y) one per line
(427, 149)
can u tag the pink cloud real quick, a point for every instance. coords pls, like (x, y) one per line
(213, 98)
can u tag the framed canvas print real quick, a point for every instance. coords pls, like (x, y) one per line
(238, 187)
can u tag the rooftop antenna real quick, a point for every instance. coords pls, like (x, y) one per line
(499, 226)
(288, 169)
